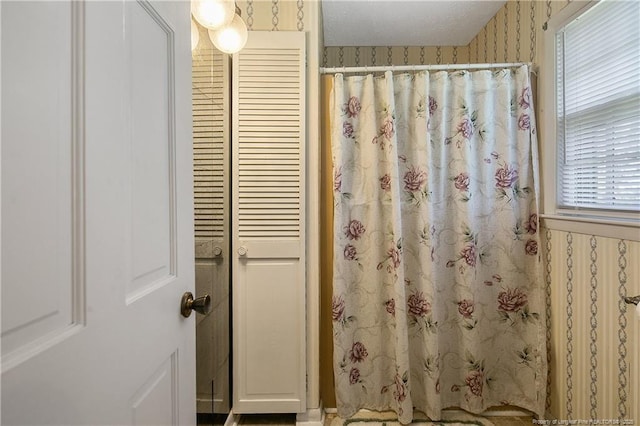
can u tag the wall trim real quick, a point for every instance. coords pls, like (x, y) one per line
(629, 231)
(312, 417)
(313, 41)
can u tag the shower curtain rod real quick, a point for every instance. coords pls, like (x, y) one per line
(365, 68)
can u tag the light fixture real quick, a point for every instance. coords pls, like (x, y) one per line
(213, 14)
(230, 38)
(195, 35)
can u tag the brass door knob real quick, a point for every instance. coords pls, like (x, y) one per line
(201, 305)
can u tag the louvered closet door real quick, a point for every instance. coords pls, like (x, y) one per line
(268, 224)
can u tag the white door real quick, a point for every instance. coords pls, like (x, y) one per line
(97, 222)
(268, 214)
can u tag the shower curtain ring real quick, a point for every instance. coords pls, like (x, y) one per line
(632, 300)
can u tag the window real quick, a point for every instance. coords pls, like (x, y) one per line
(597, 108)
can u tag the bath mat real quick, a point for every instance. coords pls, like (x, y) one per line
(373, 418)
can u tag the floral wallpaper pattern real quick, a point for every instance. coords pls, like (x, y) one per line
(438, 298)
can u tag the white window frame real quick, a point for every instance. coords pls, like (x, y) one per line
(612, 224)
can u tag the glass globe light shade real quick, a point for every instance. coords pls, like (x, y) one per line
(213, 14)
(232, 38)
(195, 35)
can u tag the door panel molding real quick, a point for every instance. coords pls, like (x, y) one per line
(150, 76)
(157, 399)
(63, 314)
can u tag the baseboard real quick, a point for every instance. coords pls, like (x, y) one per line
(311, 417)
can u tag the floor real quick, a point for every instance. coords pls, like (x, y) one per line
(290, 419)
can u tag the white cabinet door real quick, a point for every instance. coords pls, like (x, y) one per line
(97, 213)
(268, 211)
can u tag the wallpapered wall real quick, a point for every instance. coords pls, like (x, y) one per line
(351, 56)
(594, 337)
(274, 15)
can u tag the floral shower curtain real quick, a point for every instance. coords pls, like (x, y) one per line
(437, 296)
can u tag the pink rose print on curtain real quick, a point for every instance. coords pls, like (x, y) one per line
(400, 392)
(532, 224)
(350, 252)
(387, 128)
(417, 305)
(531, 247)
(347, 129)
(354, 230)
(358, 352)
(353, 107)
(513, 305)
(468, 253)
(385, 133)
(433, 106)
(524, 122)
(506, 177)
(390, 306)
(511, 300)
(354, 376)
(465, 129)
(414, 179)
(393, 258)
(466, 308)
(385, 182)
(475, 382)
(525, 98)
(415, 185)
(400, 389)
(338, 308)
(461, 181)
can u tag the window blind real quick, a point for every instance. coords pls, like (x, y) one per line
(598, 95)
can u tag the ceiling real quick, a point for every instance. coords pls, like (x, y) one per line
(405, 22)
